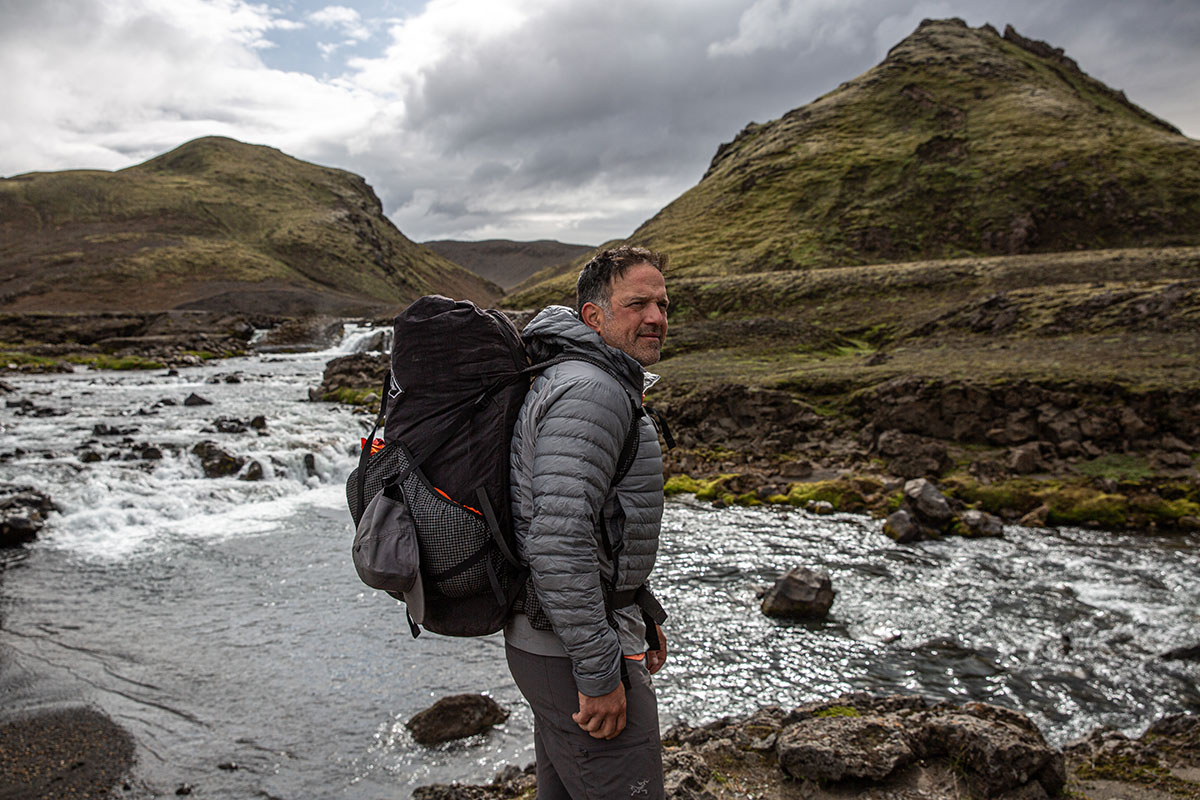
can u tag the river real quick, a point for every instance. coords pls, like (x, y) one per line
(221, 622)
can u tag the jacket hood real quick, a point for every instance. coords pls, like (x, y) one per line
(559, 330)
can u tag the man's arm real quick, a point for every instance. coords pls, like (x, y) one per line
(580, 427)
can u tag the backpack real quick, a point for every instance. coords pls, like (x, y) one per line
(458, 377)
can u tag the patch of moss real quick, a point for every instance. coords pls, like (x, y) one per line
(682, 484)
(1077, 505)
(25, 359)
(1125, 770)
(838, 711)
(1118, 466)
(351, 397)
(842, 493)
(203, 355)
(1020, 494)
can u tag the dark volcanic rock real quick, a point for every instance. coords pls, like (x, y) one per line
(194, 399)
(456, 717)
(927, 501)
(901, 526)
(800, 594)
(357, 371)
(215, 461)
(23, 512)
(1188, 653)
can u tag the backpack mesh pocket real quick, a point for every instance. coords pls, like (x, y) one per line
(457, 549)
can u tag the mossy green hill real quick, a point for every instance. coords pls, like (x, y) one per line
(961, 142)
(215, 223)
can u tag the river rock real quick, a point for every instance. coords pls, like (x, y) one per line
(102, 429)
(23, 512)
(455, 717)
(215, 462)
(194, 399)
(837, 748)
(254, 472)
(1186, 653)
(1036, 518)
(227, 425)
(999, 749)
(981, 523)
(929, 503)
(357, 371)
(800, 594)
(901, 526)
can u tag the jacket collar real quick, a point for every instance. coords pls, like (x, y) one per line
(558, 330)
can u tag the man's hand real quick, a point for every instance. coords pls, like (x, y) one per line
(602, 717)
(656, 658)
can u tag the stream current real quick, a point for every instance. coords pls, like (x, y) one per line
(221, 622)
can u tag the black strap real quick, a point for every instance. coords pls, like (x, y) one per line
(365, 455)
(663, 427)
(493, 523)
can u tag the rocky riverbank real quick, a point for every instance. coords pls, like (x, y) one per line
(45, 342)
(1097, 455)
(858, 745)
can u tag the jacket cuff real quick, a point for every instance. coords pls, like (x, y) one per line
(599, 686)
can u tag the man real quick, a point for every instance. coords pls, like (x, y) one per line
(587, 640)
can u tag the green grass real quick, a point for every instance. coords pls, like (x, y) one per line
(1118, 466)
(20, 359)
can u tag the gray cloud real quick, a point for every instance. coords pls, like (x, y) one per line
(512, 118)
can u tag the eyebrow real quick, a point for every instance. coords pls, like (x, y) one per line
(645, 298)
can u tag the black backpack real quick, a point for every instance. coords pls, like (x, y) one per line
(459, 375)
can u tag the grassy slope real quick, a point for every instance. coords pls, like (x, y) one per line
(870, 221)
(959, 143)
(212, 211)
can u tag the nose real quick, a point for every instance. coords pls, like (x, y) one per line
(655, 316)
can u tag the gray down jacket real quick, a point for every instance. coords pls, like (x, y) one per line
(566, 444)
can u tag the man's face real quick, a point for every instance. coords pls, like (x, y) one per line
(637, 322)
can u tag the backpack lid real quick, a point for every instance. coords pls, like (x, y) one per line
(445, 355)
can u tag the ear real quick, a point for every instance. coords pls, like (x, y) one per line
(592, 316)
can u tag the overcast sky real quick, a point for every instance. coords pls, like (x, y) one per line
(523, 119)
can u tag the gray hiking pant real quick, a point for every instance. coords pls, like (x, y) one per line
(571, 765)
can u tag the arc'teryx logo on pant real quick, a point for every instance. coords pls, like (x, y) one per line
(639, 789)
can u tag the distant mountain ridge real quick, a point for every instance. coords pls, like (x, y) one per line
(962, 142)
(214, 224)
(507, 262)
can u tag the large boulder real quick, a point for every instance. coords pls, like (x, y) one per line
(835, 748)
(357, 371)
(800, 594)
(455, 717)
